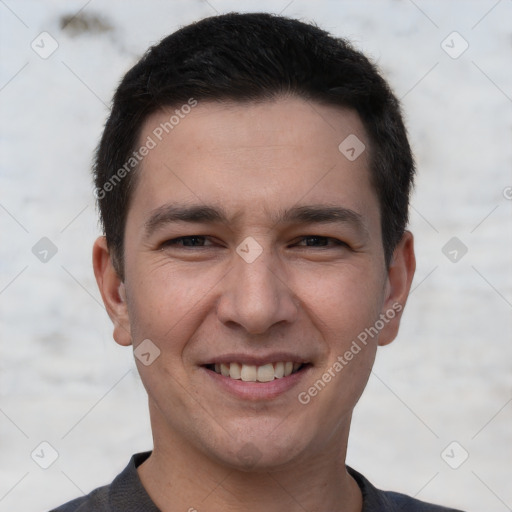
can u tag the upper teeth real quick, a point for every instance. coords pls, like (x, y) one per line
(253, 373)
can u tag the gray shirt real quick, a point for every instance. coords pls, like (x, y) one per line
(126, 494)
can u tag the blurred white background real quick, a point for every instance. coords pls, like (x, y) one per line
(448, 376)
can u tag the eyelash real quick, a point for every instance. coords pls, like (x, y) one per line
(174, 242)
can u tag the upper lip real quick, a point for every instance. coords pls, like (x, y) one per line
(256, 360)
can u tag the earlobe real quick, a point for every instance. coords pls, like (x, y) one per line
(400, 274)
(112, 291)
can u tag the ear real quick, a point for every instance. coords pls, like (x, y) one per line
(400, 273)
(112, 291)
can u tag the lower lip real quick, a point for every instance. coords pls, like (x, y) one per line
(257, 390)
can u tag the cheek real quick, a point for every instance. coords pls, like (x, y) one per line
(342, 301)
(165, 298)
(166, 305)
(342, 304)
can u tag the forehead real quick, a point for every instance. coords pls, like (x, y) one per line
(254, 158)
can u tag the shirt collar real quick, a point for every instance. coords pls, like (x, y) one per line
(127, 494)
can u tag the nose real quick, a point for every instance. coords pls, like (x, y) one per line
(256, 295)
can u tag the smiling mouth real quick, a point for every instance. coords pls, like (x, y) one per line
(252, 373)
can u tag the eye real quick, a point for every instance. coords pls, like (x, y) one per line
(196, 241)
(321, 241)
(186, 241)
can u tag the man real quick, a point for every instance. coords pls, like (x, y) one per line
(253, 180)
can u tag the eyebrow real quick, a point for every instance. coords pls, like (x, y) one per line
(204, 214)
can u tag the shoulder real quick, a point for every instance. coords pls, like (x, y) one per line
(403, 502)
(375, 500)
(125, 493)
(96, 501)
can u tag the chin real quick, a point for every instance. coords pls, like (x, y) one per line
(262, 453)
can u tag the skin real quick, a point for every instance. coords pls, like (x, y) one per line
(309, 298)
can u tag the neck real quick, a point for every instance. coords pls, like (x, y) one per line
(178, 477)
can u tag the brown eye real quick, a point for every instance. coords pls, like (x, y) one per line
(186, 241)
(321, 241)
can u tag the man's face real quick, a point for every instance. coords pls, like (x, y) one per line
(270, 282)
